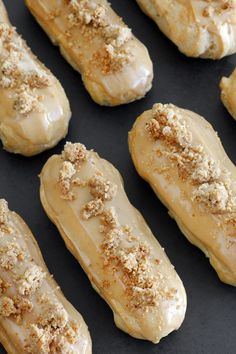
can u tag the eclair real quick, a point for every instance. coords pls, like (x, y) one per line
(199, 28)
(180, 155)
(34, 110)
(84, 197)
(228, 93)
(115, 66)
(35, 317)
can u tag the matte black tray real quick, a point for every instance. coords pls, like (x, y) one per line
(210, 324)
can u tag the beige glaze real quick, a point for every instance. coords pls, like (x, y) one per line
(14, 335)
(199, 28)
(132, 82)
(228, 93)
(83, 238)
(39, 129)
(209, 230)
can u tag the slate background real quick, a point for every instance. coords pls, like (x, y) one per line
(210, 321)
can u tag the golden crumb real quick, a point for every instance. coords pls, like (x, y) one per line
(22, 306)
(4, 212)
(7, 307)
(92, 208)
(52, 332)
(214, 196)
(54, 315)
(3, 286)
(10, 255)
(39, 340)
(31, 280)
(86, 13)
(173, 129)
(25, 101)
(117, 35)
(71, 332)
(67, 170)
(75, 153)
(79, 182)
(37, 80)
(153, 127)
(15, 307)
(100, 188)
(109, 220)
(112, 60)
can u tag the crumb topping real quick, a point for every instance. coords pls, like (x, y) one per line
(15, 307)
(52, 332)
(93, 20)
(31, 280)
(124, 252)
(73, 156)
(67, 171)
(109, 220)
(92, 208)
(212, 185)
(54, 316)
(10, 255)
(213, 195)
(26, 100)
(4, 285)
(110, 60)
(14, 76)
(4, 217)
(100, 188)
(7, 307)
(75, 153)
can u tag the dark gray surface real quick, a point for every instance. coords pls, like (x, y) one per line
(210, 324)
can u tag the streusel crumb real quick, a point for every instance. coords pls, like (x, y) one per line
(100, 188)
(10, 255)
(92, 208)
(75, 153)
(31, 280)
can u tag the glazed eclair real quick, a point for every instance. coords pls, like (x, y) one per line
(34, 110)
(115, 66)
(228, 93)
(35, 317)
(199, 28)
(181, 156)
(84, 197)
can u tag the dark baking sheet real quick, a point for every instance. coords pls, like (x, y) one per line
(210, 324)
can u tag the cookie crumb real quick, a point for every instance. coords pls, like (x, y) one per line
(31, 280)
(92, 208)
